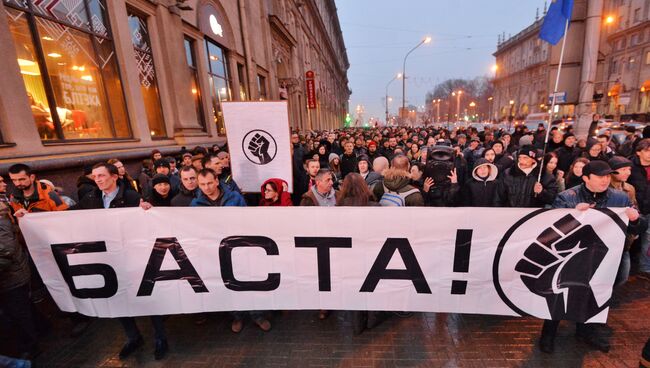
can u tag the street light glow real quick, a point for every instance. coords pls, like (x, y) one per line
(495, 67)
(427, 39)
(399, 75)
(609, 20)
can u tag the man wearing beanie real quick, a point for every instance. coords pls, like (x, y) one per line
(162, 167)
(594, 192)
(373, 153)
(519, 187)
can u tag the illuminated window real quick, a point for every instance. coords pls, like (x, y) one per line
(219, 82)
(147, 73)
(193, 76)
(68, 64)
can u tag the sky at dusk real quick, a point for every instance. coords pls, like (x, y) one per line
(379, 33)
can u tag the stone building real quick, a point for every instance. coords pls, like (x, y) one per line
(127, 76)
(626, 45)
(527, 70)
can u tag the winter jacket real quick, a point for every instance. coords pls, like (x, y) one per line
(124, 198)
(184, 197)
(641, 182)
(503, 162)
(14, 269)
(309, 198)
(373, 179)
(570, 198)
(398, 182)
(565, 157)
(157, 200)
(479, 192)
(284, 198)
(227, 198)
(516, 189)
(84, 186)
(349, 164)
(44, 199)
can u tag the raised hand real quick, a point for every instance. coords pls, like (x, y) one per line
(259, 146)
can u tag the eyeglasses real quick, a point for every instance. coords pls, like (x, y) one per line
(267, 190)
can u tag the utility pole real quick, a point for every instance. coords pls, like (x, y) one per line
(589, 65)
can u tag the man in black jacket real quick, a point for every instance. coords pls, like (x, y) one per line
(349, 161)
(188, 189)
(520, 187)
(109, 194)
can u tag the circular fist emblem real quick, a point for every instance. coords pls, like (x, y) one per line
(259, 147)
(563, 271)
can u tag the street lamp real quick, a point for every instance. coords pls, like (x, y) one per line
(490, 103)
(425, 40)
(398, 76)
(609, 20)
(457, 94)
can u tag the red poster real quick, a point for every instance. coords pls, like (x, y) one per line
(311, 90)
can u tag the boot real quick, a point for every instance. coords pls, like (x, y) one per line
(590, 335)
(547, 340)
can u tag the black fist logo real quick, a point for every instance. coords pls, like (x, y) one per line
(259, 147)
(559, 266)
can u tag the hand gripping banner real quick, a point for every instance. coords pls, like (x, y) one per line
(551, 264)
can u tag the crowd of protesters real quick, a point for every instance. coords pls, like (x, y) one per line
(396, 166)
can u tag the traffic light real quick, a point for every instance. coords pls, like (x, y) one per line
(348, 120)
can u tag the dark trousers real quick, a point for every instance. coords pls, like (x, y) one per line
(550, 328)
(133, 333)
(15, 303)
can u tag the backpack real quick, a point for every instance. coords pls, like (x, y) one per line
(394, 199)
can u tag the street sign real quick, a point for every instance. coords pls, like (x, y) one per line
(560, 98)
(311, 89)
(624, 98)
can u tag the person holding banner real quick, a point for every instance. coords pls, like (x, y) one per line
(188, 189)
(111, 194)
(595, 192)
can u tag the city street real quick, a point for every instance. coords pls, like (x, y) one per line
(299, 339)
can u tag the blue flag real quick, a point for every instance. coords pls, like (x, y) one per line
(555, 21)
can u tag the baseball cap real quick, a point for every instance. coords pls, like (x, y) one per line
(598, 168)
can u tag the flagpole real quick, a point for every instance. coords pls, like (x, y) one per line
(550, 113)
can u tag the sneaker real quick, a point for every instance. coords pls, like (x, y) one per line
(130, 347)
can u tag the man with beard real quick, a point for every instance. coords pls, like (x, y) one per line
(372, 151)
(31, 195)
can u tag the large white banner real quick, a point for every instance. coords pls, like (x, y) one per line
(558, 264)
(258, 138)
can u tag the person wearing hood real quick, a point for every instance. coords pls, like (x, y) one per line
(479, 191)
(85, 183)
(567, 153)
(443, 174)
(275, 194)
(335, 168)
(520, 188)
(502, 159)
(365, 169)
(323, 155)
(189, 188)
(594, 151)
(373, 153)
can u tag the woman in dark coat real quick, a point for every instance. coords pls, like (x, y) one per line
(479, 191)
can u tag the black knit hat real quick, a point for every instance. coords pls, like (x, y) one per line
(161, 163)
(159, 178)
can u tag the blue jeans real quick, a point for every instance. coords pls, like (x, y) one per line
(644, 258)
(623, 269)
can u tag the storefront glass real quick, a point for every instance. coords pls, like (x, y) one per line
(147, 73)
(68, 64)
(219, 82)
(193, 76)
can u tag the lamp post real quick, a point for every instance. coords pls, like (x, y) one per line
(457, 94)
(425, 40)
(398, 76)
(490, 107)
(512, 112)
(472, 110)
(438, 110)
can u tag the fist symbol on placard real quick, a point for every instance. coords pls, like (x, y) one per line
(259, 146)
(559, 266)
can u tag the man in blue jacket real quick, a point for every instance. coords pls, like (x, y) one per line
(594, 192)
(212, 194)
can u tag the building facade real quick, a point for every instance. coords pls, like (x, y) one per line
(626, 74)
(527, 69)
(85, 80)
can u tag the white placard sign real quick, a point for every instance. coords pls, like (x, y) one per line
(558, 264)
(259, 141)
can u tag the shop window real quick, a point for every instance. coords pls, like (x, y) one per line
(193, 76)
(219, 82)
(241, 75)
(68, 64)
(147, 74)
(261, 87)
